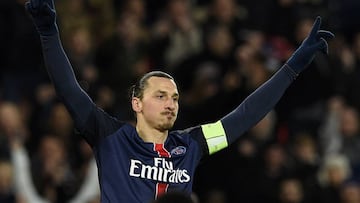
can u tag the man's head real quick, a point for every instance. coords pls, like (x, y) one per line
(154, 99)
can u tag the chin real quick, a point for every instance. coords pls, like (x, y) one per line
(166, 126)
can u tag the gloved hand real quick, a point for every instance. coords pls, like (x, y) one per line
(43, 15)
(315, 41)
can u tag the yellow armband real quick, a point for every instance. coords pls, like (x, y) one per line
(215, 136)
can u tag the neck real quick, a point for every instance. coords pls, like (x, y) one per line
(151, 135)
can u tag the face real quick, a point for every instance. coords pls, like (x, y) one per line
(159, 106)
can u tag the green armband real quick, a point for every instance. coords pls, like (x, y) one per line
(215, 136)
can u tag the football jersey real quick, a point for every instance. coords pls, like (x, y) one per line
(131, 170)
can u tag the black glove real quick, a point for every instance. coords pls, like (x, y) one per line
(315, 41)
(43, 15)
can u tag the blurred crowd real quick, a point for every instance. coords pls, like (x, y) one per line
(307, 150)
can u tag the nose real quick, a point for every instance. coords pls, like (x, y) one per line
(171, 104)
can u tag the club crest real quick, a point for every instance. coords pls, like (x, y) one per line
(178, 151)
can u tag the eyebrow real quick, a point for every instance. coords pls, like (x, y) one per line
(164, 92)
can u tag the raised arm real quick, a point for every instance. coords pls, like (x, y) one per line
(220, 134)
(60, 71)
(262, 100)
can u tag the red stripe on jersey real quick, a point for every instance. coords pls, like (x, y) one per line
(161, 188)
(162, 151)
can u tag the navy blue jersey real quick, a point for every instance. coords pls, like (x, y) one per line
(131, 170)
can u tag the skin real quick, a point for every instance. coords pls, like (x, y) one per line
(157, 110)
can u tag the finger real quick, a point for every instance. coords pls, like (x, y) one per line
(322, 46)
(316, 27)
(325, 34)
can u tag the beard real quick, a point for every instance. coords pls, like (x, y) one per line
(166, 126)
(168, 123)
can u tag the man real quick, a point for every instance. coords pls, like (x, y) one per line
(137, 164)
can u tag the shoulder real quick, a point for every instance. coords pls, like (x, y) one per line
(189, 136)
(186, 133)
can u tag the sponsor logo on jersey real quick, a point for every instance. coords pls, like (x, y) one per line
(177, 151)
(162, 170)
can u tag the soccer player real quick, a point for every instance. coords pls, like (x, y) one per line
(138, 163)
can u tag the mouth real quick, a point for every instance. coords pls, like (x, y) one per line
(169, 114)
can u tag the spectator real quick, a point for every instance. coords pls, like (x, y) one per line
(176, 35)
(291, 191)
(121, 59)
(7, 189)
(333, 173)
(350, 192)
(341, 132)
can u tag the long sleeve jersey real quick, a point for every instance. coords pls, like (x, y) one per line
(131, 170)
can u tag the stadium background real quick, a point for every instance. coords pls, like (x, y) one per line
(306, 150)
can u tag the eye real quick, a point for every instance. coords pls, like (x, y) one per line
(160, 96)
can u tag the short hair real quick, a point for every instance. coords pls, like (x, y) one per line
(137, 90)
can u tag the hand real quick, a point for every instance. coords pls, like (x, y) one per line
(44, 16)
(316, 41)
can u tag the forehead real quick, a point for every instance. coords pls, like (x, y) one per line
(161, 84)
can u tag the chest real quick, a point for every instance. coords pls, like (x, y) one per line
(173, 162)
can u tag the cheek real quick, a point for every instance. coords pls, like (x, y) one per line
(151, 108)
(149, 105)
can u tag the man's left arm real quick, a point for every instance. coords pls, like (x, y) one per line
(220, 134)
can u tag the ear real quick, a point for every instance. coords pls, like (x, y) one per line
(136, 104)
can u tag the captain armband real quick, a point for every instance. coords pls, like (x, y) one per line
(215, 136)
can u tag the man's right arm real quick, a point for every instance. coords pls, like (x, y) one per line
(67, 88)
(92, 122)
(58, 66)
